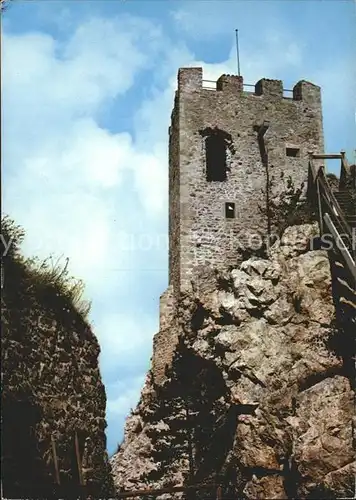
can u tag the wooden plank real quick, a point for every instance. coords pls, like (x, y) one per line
(262, 128)
(321, 225)
(172, 489)
(55, 460)
(345, 163)
(345, 172)
(341, 246)
(79, 461)
(335, 209)
(332, 202)
(314, 170)
(327, 157)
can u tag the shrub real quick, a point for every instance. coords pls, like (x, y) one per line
(47, 277)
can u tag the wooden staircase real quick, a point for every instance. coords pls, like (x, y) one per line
(347, 203)
(336, 208)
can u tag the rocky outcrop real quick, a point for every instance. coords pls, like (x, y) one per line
(51, 391)
(253, 394)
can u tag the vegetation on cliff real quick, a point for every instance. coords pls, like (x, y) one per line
(52, 392)
(254, 393)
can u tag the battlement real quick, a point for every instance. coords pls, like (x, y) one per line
(191, 79)
(220, 165)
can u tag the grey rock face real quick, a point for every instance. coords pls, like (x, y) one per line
(250, 392)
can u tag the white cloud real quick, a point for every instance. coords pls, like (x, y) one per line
(77, 187)
(94, 156)
(125, 397)
(204, 20)
(55, 147)
(126, 335)
(97, 63)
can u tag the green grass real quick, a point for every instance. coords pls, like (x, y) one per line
(43, 277)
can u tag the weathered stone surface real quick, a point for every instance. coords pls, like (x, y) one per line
(200, 233)
(295, 241)
(341, 483)
(267, 487)
(254, 396)
(323, 431)
(51, 387)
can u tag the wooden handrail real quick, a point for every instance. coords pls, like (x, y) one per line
(337, 156)
(333, 204)
(341, 245)
(172, 489)
(334, 217)
(345, 172)
(319, 176)
(314, 171)
(55, 460)
(345, 164)
(336, 212)
(79, 460)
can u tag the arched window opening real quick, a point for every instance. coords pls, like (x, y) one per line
(215, 149)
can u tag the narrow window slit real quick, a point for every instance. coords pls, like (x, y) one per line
(230, 210)
(293, 152)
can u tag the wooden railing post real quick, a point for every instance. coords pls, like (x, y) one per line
(345, 172)
(330, 213)
(320, 210)
(55, 460)
(341, 246)
(79, 461)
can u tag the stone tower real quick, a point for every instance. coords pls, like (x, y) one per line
(224, 145)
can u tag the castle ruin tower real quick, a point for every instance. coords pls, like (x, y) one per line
(224, 146)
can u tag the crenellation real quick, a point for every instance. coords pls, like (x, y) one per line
(269, 88)
(307, 92)
(190, 79)
(230, 83)
(218, 178)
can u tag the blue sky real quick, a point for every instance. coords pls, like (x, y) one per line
(87, 94)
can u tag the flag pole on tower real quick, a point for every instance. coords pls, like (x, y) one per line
(237, 51)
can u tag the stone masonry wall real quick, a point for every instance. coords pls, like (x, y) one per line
(166, 308)
(174, 198)
(51, 388)
(200, 235)
(165, 340)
